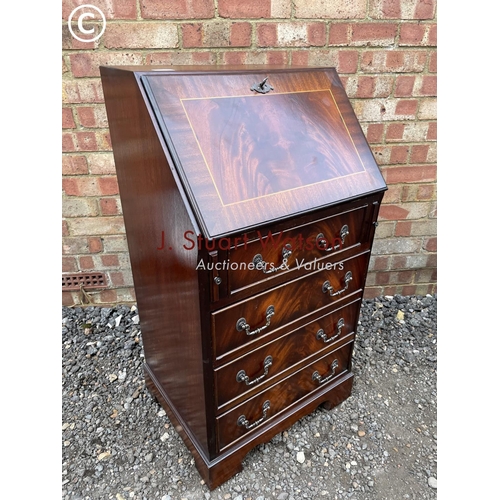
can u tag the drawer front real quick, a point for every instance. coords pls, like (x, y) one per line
(261, 367)
(275, 254)
(262, 407)
(254, 319)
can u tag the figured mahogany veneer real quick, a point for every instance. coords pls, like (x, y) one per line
(214, 179)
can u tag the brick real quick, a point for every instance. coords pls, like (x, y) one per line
(409, 290)
(339, 34)
(117, 278)
(379, 263)
(72, 246)
(419, 153)
(426, 275)
(65, 229)
(432, 132)
(85, 91)
(427, 109)
(428, 86)
(69, 42)
(415, 132)
(68, 143)
(395, 131)
(125, 295)
(426, 192)
(74, 165)
(382, 278)
(432, 35)
(332, 9)
(372, 292)
(430, 244)
(399, 154)
(101, 164)
(406, 107)
(67, 299)
(106, 297)
(69, 265)
(80, 186)
(177, 9)
(373, 34)
(424, 9)
(398, 61)
(217, 34)
(416, 261)
(86, 263)
(392, 212)
(110, 206)
(110, 261)
(115, 244)
(385, 229)
(385, 9)
(67, 118)
(403, 228)
(237, 9)
(423, 173)
(393, 194)
(424, 227)
(112, 9)
(181, 57)
(347, 61)
(95, 244)
(389, 246)
(240, 35)
(92, 117)
(87, 64)
(293, 34)
(432, 62)
(141, 35)
(404, 86)
(108, 185)
(255, 57)
(366, 86)
(93, 226)
(411, 34)
(79, 207)
(267, 35)
(375, 132)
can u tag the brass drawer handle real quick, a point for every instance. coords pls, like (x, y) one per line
(261, 264)
(329, 288)
(318, 378)
(321, 241)
(321, 335)
(242, 324)
(243, 377)
(242, 420)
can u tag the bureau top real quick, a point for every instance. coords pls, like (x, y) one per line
(256, 144)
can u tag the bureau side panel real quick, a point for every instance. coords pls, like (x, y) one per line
(164, 271)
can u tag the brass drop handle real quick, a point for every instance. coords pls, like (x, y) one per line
(329, 288)
(243, 377)
(321, 335)
(321, 241)
(261, 264)
(242, 324)
(242, 420)
(318, 378)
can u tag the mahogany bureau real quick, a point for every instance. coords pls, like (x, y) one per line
(250, 198)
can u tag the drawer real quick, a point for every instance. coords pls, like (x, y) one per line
(254, 319)
(261, 367)
(255, 411)
(273, 254)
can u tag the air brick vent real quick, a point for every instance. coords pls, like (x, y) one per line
(87, 280)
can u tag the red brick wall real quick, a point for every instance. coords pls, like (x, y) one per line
(384, 51)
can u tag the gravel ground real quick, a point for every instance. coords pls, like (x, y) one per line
(117, 442)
